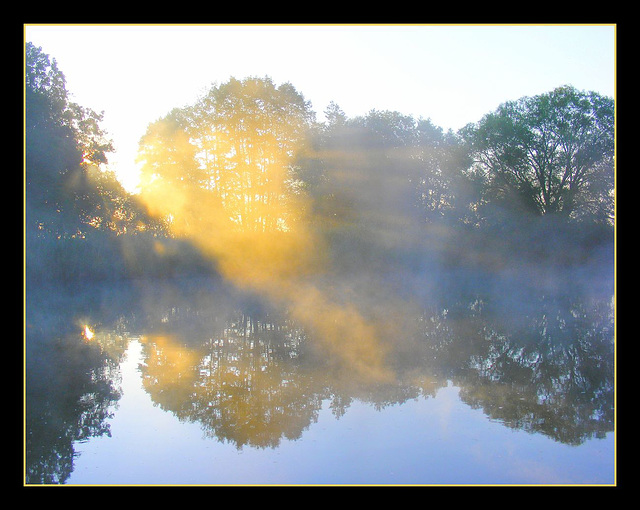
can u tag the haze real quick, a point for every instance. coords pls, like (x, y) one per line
(452, 75)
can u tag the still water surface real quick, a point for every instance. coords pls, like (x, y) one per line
(191, 382)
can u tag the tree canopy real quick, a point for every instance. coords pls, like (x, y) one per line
(249, 156)
(550, 154)
(235, 147)
(76, 209)
(69, 191)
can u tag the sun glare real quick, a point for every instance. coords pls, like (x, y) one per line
(87, 333)
(230, 196)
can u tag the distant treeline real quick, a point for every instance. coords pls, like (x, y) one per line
(532, 182)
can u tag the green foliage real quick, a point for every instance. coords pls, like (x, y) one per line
(548, 154)
(384, 186)
(76, 210)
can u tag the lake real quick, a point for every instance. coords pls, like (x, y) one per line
(473, 379)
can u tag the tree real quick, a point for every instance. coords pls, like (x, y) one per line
(63, 142)
(237, 145)
(170, 170)
(367, 170)
(335, 115)
(76, 209)
(548, 154)
(443, 187)
(224, 173)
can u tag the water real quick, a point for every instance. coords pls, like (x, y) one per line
(438, 440)
(194, 383)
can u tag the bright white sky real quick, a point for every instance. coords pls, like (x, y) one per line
(450, 74)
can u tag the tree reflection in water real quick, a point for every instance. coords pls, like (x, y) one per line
(251, 376)
(71, 384)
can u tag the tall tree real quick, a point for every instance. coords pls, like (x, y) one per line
(550, 153)
(237, 144)
(444, 189)
(63, 142)
(76, 209)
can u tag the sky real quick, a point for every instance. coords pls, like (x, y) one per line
(451, 74)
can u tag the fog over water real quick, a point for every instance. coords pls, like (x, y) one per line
(349, 301)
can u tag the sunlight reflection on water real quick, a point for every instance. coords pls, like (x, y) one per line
(422, 441)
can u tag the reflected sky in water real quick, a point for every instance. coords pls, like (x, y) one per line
(189, 383)
(422, 441)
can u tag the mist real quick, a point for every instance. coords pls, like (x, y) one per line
(275, 271)
(354, 226)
